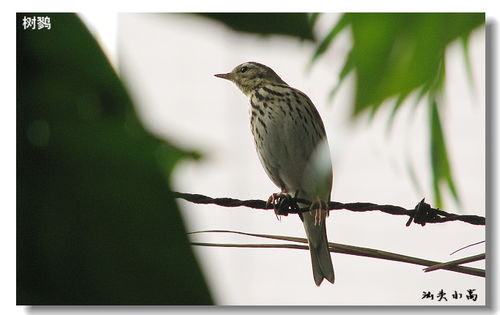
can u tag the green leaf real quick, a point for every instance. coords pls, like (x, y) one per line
(313, 18)
(291, 24)
(440, 163)
(325, 43)
(397, 105)
(96, 219)
(468, 65)
(396, 53)
(346, 69)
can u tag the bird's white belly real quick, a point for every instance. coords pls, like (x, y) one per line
(283, 151)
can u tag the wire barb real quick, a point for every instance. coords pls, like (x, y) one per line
(422, 213)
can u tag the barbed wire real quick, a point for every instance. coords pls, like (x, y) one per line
(422, 213)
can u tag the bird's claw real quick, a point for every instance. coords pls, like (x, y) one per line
(280, 203)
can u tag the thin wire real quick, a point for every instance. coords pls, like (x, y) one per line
(470, 245)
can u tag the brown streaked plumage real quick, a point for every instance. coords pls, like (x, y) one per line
(292, 146)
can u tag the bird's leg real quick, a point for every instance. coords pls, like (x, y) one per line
(280, 202)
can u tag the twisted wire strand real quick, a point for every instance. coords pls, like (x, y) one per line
(422, 213)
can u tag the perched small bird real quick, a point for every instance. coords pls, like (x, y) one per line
(291, 144)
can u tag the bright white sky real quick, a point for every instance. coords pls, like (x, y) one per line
(367, 163)
(168, 62)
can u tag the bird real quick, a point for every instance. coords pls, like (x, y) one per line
(292, 146)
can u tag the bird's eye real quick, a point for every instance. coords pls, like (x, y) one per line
(244, 69)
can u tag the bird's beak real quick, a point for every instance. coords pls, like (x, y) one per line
(226, 76)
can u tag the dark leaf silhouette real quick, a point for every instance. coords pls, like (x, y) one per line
(96, 219)
(298, 25)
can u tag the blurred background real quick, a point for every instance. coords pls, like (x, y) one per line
(402, 97)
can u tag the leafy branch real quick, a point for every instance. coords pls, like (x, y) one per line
(397, 55)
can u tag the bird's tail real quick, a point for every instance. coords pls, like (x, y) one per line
(318, 247)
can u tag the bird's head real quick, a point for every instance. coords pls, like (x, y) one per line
(250, 75)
